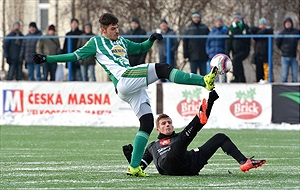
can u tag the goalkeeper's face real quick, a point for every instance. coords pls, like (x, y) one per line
(165, 126)
(111, 31)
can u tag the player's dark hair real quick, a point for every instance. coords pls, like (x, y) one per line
(161, 116)
(106, 19)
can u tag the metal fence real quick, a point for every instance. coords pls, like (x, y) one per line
(168, 44)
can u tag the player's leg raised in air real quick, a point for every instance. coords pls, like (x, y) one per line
(165, 71)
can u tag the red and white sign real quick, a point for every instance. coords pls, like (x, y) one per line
(66, 103)
(238, 106)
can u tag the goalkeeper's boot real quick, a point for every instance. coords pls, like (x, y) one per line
(137, 172)
(209, 79)
(202, 113)
(251, 163)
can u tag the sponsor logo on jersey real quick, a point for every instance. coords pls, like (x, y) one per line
(118, 50)
(190, 105)
(164, 142)
(246, 107)
(13, 101)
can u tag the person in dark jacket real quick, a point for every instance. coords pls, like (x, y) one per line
(49, 46)
(288, 47)
(194, 48)
(261, 49)
(162, 45)
(217, 45)
(135, 29)
(28, 49)
(76, 74)
(12, 49)
(169, 152)
(240, 47)
(89, 63)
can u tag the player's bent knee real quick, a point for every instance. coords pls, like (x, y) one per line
(221, 136)
(163, 70)
(147, 123)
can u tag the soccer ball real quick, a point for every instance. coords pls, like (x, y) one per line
(221, 61)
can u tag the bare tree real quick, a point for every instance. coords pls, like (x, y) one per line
(56, 14)
(177, 13)
(4, 29)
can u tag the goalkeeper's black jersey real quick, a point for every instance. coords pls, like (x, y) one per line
(162, 151)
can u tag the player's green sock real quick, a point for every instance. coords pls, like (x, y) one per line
(139, 145)
(181, 77)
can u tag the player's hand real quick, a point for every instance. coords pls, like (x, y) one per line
(127, 150)
(156, 36)
(39, 58)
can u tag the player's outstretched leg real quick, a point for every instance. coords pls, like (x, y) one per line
(163, 70)
(220, 140)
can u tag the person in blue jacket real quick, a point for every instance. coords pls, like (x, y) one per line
(216, 45)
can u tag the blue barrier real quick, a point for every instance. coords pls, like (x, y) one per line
(168, 44)
(70, 63)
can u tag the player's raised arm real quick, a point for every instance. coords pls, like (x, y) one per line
(136, 48)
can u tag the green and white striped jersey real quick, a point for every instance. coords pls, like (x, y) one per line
(112, 55)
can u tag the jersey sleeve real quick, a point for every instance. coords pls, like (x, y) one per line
(88, 50)
(136, 48)
(68, 57)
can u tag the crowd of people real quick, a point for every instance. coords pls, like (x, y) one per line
(197, 51)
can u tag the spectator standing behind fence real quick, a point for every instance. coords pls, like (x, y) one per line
(49, 46)
(162, 45)
(135, 29)
(288, 47)
(87, 64)
(76, 74)
(217, 45)
(240, 47)
(12, 48)
(28, 49)
(194, 48)
(261, 49)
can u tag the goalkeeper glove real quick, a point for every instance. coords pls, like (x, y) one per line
(213, 96)
(39, 58)
(156, 36)
(127, 150)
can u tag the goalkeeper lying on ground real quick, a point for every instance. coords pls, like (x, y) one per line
(169, 151)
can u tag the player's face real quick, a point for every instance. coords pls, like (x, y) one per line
(165, 126)
(111, 32)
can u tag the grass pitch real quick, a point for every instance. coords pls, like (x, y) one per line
(91, 158)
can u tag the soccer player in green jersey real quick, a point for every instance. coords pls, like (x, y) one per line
(111, 51)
